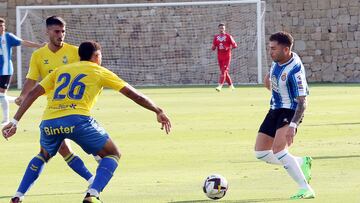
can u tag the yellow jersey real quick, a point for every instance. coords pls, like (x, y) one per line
(43, 60)
(74, 88)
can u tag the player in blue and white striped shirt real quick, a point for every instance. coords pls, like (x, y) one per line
(8, 40)
(287, 82)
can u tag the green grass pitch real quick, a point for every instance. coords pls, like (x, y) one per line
(212, 133)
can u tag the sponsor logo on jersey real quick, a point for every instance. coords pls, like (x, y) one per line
(60, 130)
(221, 38)
(300, 85)
(65, 60)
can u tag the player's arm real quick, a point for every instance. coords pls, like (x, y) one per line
(295, 121)
(300, 109)
(213, 47)
(31, 77)
(31, 44)
(28, 85)
(147, 103)
(10, 129)
(233, 43)
(299, 82)
(267, 81)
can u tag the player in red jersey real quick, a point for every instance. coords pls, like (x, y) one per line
(224, 43)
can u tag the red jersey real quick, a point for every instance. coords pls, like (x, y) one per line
(224, 43)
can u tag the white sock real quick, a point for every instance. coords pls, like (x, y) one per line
(97, 158)
(93, 192)
(299, 160)
(19, 195)
(267, 156)
(5, 106)
(11, 99)
(91, 180)
(293, 168)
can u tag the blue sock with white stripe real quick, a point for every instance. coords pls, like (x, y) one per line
(32, 172)
(104, 173)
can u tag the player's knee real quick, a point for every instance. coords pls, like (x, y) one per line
(277, 148)
(45, 155)
(117, 153)
(64, 149)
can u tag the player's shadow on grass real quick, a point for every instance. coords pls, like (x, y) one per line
(47, 194)
(234, 201)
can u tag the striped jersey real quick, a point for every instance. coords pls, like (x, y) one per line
(8, 40)
(288, 81)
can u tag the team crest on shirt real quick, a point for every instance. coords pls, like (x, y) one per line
(46, 61)
(221, 38)
(221, 46)
(65, 60)
(283, 77)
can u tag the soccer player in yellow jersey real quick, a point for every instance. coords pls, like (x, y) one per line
(43, 61)
(72, 91)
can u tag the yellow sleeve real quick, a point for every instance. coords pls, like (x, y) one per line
(111, 80)
(48, 82)
(34, 69)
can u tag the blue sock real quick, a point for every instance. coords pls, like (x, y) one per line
(32, 173)
(104, 172)
(77, 165)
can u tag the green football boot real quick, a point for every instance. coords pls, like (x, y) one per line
(304, 194)
(306, 168)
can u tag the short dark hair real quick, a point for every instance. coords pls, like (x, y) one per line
(283, 38)
(2, 20)
(55, 20)
(221, 24)
(87, 49)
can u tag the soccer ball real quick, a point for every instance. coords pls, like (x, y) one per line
(215, 186)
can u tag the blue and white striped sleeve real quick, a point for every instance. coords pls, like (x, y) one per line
(14, 41)
(298, 77)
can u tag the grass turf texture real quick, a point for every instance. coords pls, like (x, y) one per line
(212, 133)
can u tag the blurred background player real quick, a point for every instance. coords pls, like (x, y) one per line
(43, 61)
(224, 43)
(80, 85)
(8, 40)
(287, 82)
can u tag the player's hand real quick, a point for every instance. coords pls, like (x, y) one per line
(19, 100)
(9, 130)
(290, 134)
(165, 122)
